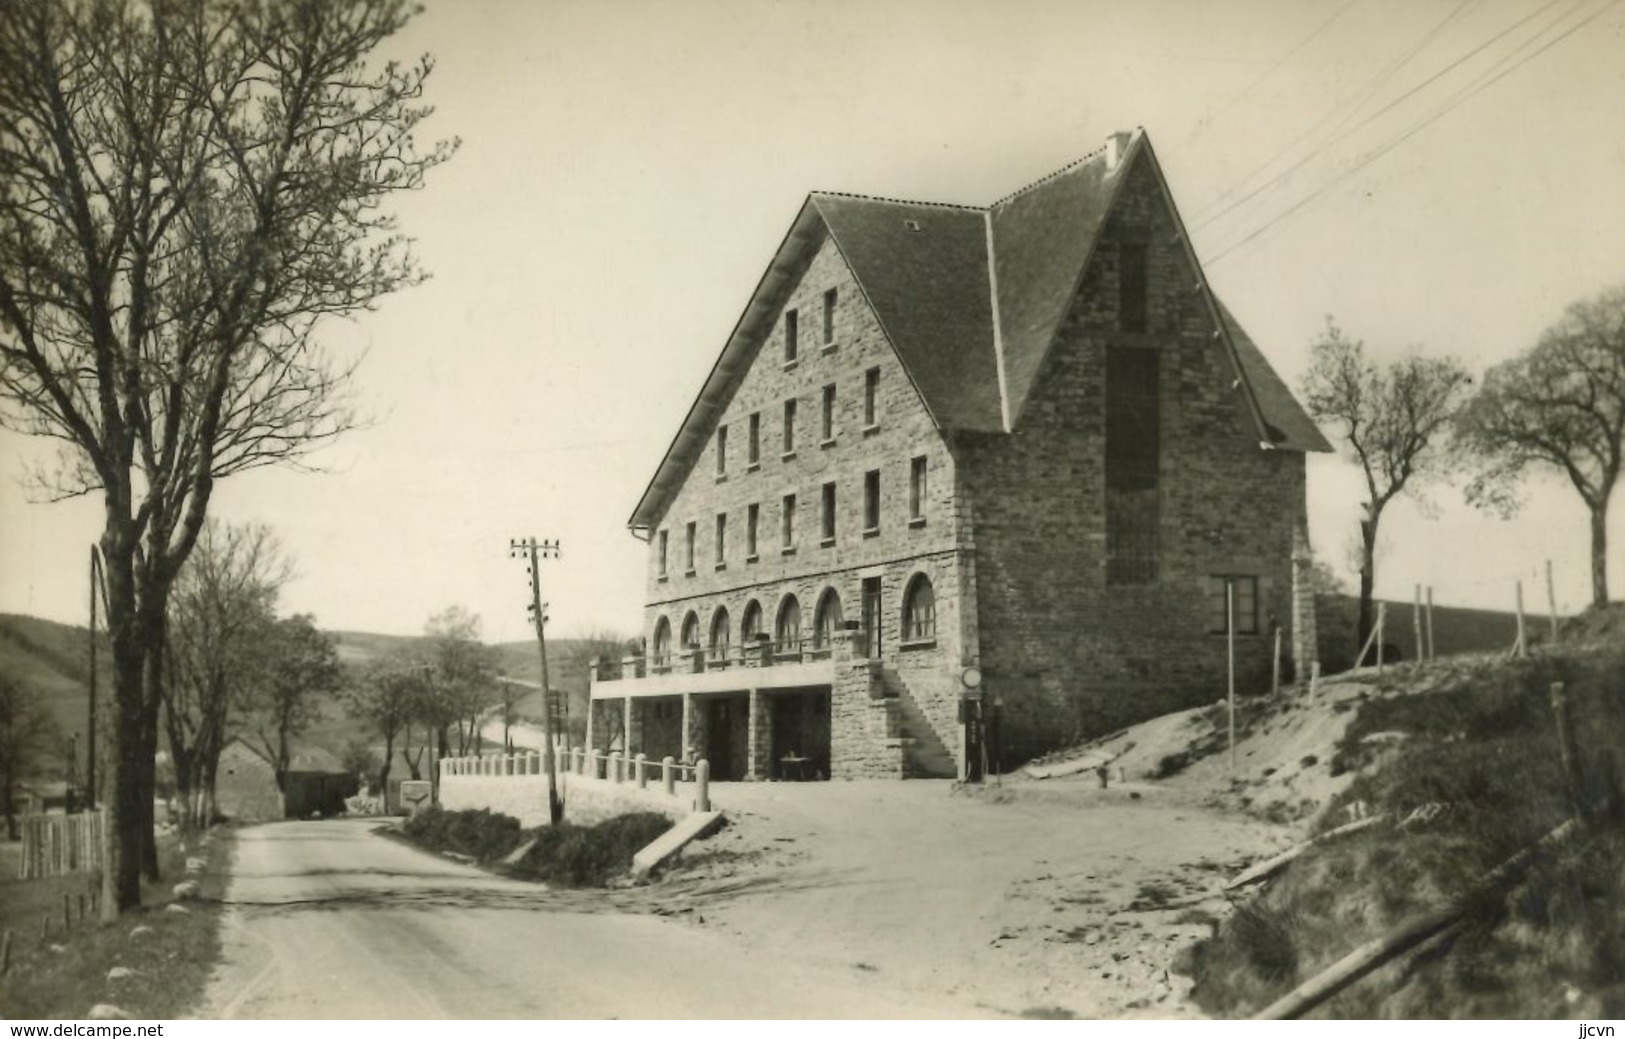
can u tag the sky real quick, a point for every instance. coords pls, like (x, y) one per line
(1444, 175)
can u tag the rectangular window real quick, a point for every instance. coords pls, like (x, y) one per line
(790, 336)
(722, 539)
(826, 515)
(688, 549)
(1246, 603)
(790, 426)
(828, 427)
(1131, 287)
(829, 318)
(753, 448)
(871, 397)
(661, 552)
(1133, 452)
(753, 515)
(916, 489)
(871, 501)
(722, 450)
(787, 529)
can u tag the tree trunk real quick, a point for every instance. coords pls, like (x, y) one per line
(1599, 552)
(1368, 581)
(124, 772)
(383, 771)
(6, 782)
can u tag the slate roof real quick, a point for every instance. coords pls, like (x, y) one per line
(971, 299)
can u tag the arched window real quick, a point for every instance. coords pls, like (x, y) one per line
(751, 627)
(787, 630)
(691, 631)
(719, 635)
(662, 649)
(827, 621)
(919, 610)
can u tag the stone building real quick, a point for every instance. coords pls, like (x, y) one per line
(964, 480)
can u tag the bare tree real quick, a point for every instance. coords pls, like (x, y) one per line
(221, 609)
(28, 738)
(574, 659)
(462, 681)
(187, 188)
(1559, 406)
(1394, 420)
(385, 699)
(297, 665)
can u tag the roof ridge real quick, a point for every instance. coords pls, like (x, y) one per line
(1046, 178)
(902, 201)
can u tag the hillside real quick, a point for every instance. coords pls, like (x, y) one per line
(1449, 768)
(54, 659)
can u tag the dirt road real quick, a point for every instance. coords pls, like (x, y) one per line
(329, 920)
(1051, 899)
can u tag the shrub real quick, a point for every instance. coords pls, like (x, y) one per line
(481, 834)
(570, 855)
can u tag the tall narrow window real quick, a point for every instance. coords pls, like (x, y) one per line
(871, 501)
(790, 426)
(829, 318)
(1131, 287)
(916, 488)
(722, 450)
(791, 346)
(661, 552)
(871, 397)
(753, 516)
(722, 539)
(688, 549)
(788, 522)
(1133, 422)
(827, 429)
(826, 515)
(753, 445)
(919, 610)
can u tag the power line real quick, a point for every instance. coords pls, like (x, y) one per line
(1288, 56)
(1475, 88)
(1204, 221)
(1207, 213)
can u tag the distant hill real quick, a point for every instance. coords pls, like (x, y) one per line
(54, 659)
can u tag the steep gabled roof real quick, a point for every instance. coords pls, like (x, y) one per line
(971, 299)
(1042, 238)
(923, 269)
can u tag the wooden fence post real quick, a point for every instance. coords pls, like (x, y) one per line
(1275, 673)
(1521, 645)
(1431, 655)
(1551, 600)
(668, 775)
(640, 769)
(1416, 623)
(1568, 751)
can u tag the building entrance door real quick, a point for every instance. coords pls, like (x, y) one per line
(719, 738)
(871, 617)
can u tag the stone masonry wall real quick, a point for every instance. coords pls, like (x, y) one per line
(1069, 655)
(898, 548)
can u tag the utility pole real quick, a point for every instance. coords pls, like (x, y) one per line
(537, 551)
(90, 746)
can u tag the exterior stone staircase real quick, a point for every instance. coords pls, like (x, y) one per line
(924, 754)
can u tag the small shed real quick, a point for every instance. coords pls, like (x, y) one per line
(246, 787)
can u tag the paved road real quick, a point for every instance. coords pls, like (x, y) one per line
(330, 920)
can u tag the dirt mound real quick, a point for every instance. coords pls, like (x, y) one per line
(1599, 624)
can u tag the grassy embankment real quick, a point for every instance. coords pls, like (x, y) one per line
(61, 972)
(567, 855)
(1464, 776)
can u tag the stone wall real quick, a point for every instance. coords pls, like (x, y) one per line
(1069, 655)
